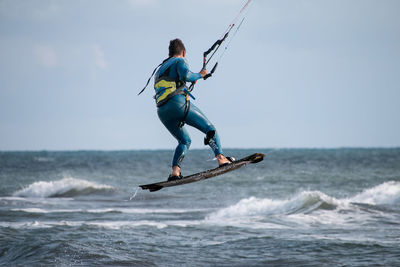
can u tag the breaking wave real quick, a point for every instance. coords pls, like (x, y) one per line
(387, 193)
(308, 202)
(305, 202)
(67, 187)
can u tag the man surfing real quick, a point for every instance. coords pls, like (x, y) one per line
(174, 108)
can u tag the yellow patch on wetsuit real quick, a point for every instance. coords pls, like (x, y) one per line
(167, 86)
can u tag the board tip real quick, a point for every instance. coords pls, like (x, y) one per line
(257, 157)
(151, 188)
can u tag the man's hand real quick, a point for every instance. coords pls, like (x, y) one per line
(203, 73)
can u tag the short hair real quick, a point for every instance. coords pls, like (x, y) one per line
(176, 47)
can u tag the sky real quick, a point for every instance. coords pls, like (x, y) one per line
(299, 73)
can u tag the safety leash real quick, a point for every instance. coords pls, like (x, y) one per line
(154, 71)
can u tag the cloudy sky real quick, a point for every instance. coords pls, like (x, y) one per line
(299, 73)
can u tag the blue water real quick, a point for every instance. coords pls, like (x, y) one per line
(307, 207)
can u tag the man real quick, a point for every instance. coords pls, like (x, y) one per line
(174, 108)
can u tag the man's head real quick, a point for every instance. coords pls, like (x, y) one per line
(176, 48)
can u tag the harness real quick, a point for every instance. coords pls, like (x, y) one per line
(166, 88)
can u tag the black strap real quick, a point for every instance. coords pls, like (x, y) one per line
(171, 95)
(154, 71)
(187, 108)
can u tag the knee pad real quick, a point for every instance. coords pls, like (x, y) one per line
(210, 135)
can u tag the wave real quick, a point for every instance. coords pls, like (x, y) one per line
(116, 225)
(67, 187)
(43, 159)
(387, 193)
(308, 202)
(111, 210)
(305, 202)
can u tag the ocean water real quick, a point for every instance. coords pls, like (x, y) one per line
(299, 207)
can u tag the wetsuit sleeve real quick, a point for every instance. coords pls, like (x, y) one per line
(185, 74)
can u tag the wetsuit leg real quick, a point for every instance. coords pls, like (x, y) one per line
(197, 119)
(184, 142)
(171, 114)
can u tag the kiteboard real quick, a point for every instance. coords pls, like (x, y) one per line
(254, 158)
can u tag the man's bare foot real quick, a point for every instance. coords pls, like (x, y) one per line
(176, 171)
(222, 159)
(176, 174)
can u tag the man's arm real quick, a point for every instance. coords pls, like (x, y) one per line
(185, 74)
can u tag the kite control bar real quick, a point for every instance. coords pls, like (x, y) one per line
(214, 48)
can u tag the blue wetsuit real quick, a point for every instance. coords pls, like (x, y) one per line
(172, 112)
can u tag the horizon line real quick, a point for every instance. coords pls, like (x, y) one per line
(192, 149)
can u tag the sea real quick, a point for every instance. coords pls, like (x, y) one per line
(298, 207)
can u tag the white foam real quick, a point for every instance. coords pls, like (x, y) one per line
(148, 211)
(386, 193)
(53, 188)
(133, 224)
(307, 208)
(115, 225)
(38, 210)
(13, 199)
(44, 159)
(24, 225)
(107, 210)
(303, 202)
